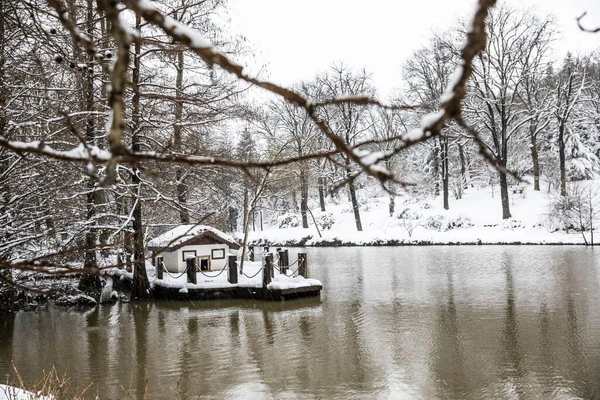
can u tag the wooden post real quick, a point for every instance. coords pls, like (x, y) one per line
(191, 270)
(282, 263)
(302, 265)
(268, 270)
(287, 257)
(251, 254)
(160, 267)
(233, 269)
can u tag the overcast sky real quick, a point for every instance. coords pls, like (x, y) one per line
(294, 40)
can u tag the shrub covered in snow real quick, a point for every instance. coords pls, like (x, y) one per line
(410, 213)
(443, 223)
(510, 224)
(326, 220)
(288, 221)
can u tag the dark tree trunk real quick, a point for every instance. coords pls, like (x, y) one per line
(463, 170)
(562, 160)
(245, 201)
(6, 273)
(184, 216)
(504, 192)
(445, 172)
(352, 191)
(436, 169)
(140, 287)
(534, 156)
(303, 197)
(322, 193)
(90, 283)
(233, 215)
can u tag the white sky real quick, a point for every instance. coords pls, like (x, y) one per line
(295, 40)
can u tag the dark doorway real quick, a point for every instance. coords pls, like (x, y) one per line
(204, 265)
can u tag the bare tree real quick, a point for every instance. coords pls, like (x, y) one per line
(569, 84)
(349, 120)
(535, 93)
(427, 73)
(497, 80)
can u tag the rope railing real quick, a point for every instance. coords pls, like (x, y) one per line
(186, 269)
(214, 276)
(287, 266)
(168, 273)
(253, 276)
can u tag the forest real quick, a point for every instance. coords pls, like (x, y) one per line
(122, 119)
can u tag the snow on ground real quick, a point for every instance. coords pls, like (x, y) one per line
(479, 208)
(13, 393)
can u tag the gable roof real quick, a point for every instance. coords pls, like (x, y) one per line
(184, 235)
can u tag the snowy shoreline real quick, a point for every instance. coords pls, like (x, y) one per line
(473, 220)
(393, 242)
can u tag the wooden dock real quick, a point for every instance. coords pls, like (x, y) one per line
(236, 292)
(236, 284)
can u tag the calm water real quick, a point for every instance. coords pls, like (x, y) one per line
(408, 322)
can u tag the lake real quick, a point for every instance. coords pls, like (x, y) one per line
(392, 322)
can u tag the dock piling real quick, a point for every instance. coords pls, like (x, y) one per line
(302, 265)
(191, 270)
(233, 269)
(268, 270)
(283, 264)
(159, 267)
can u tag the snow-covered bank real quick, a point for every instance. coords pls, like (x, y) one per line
(473, 220)
(14, 393)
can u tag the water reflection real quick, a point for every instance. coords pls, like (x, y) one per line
(448, 364)
(434, 322)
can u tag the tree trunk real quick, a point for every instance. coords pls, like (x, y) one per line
(184, 215)
(534, 156)
(445, 172)
(352, 191)
(322, 193)
(245, 222)
(6, 273)
(463, 170)
(303, 197)
(504, 192)
(90, 282)
(436, 169)
(140, 287)
(562, 160)
(233, 214)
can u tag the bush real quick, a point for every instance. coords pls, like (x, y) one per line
(326, 220)
(288, 221)
(443, 223)
(510, 224)
(410, 213)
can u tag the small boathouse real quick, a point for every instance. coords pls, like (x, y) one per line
(201, 262)
(208, 246)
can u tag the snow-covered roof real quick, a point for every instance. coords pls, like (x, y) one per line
(183, 234)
